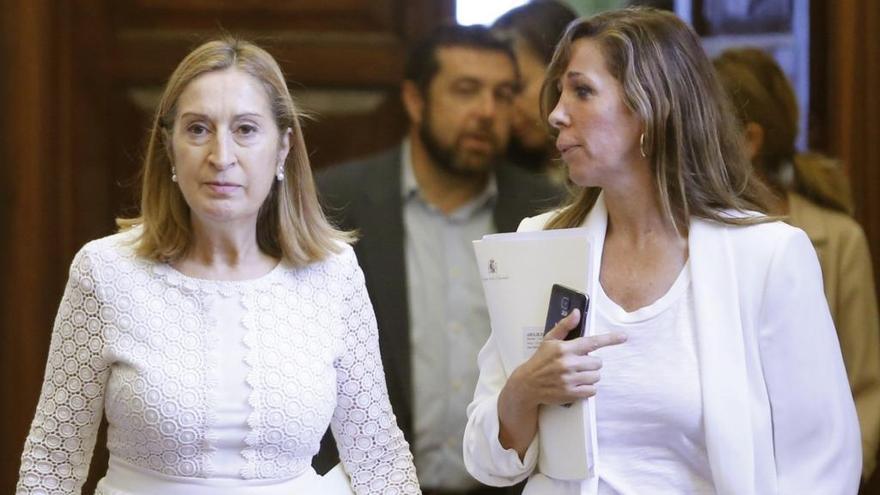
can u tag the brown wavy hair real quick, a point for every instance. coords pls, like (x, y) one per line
(691, 138)
(290, 224)
(761, 93)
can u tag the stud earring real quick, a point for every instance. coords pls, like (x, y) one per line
(173, 174)
(642, 146)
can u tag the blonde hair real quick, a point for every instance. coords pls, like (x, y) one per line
(762, 94)
(690, 135)
(290, 224)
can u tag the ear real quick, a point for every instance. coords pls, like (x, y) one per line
(284, 145)
(413, 101)
(754, 137)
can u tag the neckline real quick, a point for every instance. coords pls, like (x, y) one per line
(613, 310)
(178, 278)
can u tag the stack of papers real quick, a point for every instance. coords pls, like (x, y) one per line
(518, 270)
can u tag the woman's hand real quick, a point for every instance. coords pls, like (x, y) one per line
(559, 372)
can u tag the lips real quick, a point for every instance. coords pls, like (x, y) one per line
(485, 140)
(221, 187)
(565, 147)
(479, 136)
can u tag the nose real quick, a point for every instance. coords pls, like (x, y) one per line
(487, 106)
(558, 118)
(221, 155)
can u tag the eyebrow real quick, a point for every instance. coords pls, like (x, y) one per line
(573, 74)
(482, 82)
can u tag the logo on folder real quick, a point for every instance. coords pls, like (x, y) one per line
(493, 271)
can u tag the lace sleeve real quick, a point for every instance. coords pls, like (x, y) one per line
(371, 446)
(59, 446)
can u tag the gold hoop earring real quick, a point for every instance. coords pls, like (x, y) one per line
(642, 146)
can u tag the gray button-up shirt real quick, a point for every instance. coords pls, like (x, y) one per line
(449, 324)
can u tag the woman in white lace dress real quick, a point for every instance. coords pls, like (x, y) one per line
(226, 327)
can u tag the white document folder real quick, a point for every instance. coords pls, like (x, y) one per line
(518, 271)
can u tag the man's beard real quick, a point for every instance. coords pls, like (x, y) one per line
(446, 157)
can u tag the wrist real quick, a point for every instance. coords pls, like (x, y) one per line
(517, 416)
(516, 394)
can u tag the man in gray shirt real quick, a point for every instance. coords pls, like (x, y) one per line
(417, 208)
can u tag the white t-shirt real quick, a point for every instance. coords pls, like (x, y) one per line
(648, 405)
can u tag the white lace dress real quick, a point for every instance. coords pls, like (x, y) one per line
(138, 341)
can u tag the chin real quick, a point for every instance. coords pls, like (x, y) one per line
(474, 164)
(581, 177)
(220, 213)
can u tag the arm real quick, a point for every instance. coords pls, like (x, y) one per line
(815, 429)
(59, 447)
(859, 332)
(500, 445)
(371, 446)
(484, 456)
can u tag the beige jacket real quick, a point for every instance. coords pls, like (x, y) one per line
(849, 287)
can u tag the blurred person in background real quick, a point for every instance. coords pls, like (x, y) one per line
(534, 29)
(813, 192)
(417, 208)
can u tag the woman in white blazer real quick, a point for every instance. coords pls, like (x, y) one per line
(720, 366)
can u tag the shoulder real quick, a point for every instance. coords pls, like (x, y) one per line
(822, 223)
(758, 251)
(342, 186)
(351, 173)
(113, 248)
(843, 226)
(105, 260)
(754, 239)
(342, 263)
(770, 230)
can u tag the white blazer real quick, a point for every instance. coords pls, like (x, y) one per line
(777, 408)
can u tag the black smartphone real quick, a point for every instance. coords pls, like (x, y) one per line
(562, 301)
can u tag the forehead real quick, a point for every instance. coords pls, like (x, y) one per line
(230, 89)
(587, 58)
(525, 52)
(491, 66)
